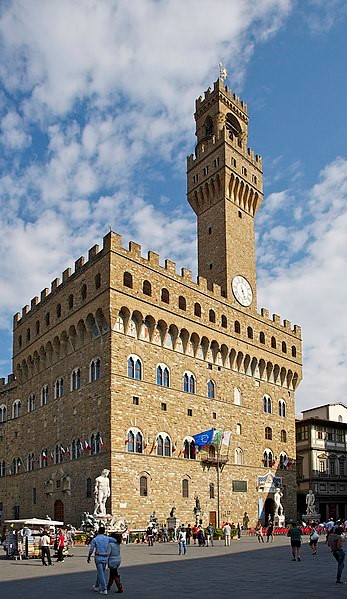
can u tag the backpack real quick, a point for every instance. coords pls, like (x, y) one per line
(314, 536)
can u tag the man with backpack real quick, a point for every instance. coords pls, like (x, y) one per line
(336, 543)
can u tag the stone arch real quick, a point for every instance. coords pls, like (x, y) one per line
(101, 321)
(72, 336)
(247, 365)
(224, 354)
(239, 362)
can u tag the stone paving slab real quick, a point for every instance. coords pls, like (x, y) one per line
(246, 569)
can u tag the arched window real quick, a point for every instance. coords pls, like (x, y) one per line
(59, 388)
(212, 316)
(16, 408)
(165, 296)
(58, 455)
(212, 491)
(182, 304)
(283, 436)
(185, 488)
(224, 321)
(262, 337)
(58, 310)
(237, 327)
(238, 429)
(31, 402)
(197, 310)
(143, 486)
(342, 465)
(37, 325)
(28, 334)
(211, 388)
(44, 395)
(95, 370)
(268, 433)
(76, 449)
(238, 456)
(30, 462)
(332, 465)
(84, 291)
(20, 340)
(3, 413)
(163, 445)
(2, 468)
(188, 382)
(283, 461)
(44, 458)
(273, 342)
(293, 351)
(208, 125)
(47, 319)
(134, 368)
(267, 404)
(189, 451)
(75, 379)
(70, 301)
(97, 281)
(147, 288)
(268, 458)
(237, 396)
(284, 347)
(134, 441)
(128, 280)
(282, 408)
(249, 332)
(163, 375)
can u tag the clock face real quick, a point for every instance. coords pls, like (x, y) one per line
(242, 290)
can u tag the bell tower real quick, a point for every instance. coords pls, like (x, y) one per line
(225, 189)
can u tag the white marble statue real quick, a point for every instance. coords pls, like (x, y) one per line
(101, 493)
(310, 503)
(277, 499)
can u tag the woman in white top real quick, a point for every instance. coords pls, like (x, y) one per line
(114, 561)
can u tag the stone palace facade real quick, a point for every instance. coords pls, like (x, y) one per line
(123, 360)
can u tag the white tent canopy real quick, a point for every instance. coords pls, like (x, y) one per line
(35, 521)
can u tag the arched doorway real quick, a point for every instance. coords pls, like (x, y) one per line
(59, 510)
(269, 510)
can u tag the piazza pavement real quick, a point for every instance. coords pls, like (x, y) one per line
(246, 569)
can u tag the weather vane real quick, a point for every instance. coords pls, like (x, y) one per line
(222, 72)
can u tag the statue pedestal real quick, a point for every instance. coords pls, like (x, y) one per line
(279, 521)
(173, 524)
(314, 517)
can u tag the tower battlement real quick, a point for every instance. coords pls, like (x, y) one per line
(112, 242)
(223, 136)
(218, 87)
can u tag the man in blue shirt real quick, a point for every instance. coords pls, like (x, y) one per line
(99, 545)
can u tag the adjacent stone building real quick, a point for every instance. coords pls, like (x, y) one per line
(121, 362)
(322, 460)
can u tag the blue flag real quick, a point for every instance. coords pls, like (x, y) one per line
(204, 438)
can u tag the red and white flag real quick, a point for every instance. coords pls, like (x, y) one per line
(226, 438)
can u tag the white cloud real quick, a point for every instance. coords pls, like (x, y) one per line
(311, 289)
(12, 133)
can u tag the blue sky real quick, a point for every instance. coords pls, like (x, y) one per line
(96, 121)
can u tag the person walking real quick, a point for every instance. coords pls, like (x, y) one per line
(209, 535)
(114, 561)
(149, 534)
(270, 532)
(99, 546)
(201, 537)
(336, 543)
(258, 531)
(295, 540)
(182, 541)
(227, 534)
(45, 550)
(314, 536)
(195, 533)
(188, 534)
(61, 545)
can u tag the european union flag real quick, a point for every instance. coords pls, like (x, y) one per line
(204, 438)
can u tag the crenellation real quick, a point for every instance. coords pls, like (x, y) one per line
(55, 284)
(276, 319)
(287, 324)
(16, 318)
(135, 249)
(34, 302)
(265, 313)
(25, 310)
(2, 381)
(112, 242)
(44, 294)
(153, 258)
(79, 263)
(66, 274)
(170, 266)
(297, 330)
(93, 252)
(186, 274)
(202, 283)
(216, 290)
